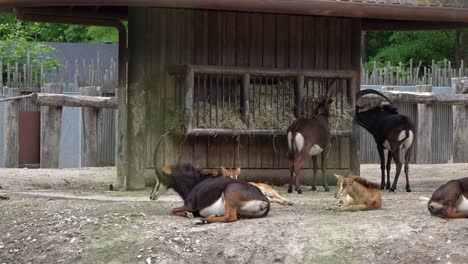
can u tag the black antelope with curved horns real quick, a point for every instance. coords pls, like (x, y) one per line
(391, 131)
(216, 199)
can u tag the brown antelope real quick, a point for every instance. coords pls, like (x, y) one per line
(361, 194)
(266, 189)
(309, 137)
(450, 200)
(216, 199)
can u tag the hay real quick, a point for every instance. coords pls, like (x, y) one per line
(227, 118)
(341, 117)
(266, 117)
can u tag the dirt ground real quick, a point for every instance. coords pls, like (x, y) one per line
(69, 216)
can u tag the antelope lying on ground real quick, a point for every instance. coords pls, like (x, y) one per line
(361, 194)
(266, 189)
(217, 199)
(309, 137)
(450, 200)
(391, 131)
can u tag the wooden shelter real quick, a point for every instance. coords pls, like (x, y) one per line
(185, 55)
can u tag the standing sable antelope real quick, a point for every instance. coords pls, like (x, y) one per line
(450, 200)
(309, 137)
(391, 131)
(217, 199)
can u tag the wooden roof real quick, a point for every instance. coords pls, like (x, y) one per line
(410, 10)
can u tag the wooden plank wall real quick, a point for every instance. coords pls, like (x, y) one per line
(180, 36)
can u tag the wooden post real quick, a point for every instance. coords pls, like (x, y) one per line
(11, 130)
(460, 124)
(90, 129)
(424, 128)
(355, 85)
(298, 94)
(245, 98)
(189, 84)
(51, 129)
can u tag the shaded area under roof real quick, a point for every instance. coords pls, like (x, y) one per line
(419, 10)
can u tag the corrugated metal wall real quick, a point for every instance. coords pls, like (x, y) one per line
(106, 135)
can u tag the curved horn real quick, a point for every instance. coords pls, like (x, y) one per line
(371, 91)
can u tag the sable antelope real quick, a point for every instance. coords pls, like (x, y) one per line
(450, 200)
(361, 194)
(391, 131)
(217, 199)
(266, 189)
(309, 137)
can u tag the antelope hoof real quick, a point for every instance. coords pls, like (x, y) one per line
(314, 188)
(327, 189)
(382, 186)
(392, 189)
(189, 215)
(408, 189)
(387, 186)
(289, 189)
(200, 221)
(299, 190)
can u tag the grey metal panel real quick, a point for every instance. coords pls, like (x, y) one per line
(71, 137)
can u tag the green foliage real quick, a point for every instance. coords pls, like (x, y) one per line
(18, 39)
(102, 35)
(396, 47)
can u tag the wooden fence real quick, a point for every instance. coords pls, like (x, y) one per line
(28, 78)
(84, 73)
(414, 74)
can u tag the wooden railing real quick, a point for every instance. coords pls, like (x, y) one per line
(254, 93)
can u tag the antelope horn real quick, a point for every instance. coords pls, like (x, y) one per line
(370, 91)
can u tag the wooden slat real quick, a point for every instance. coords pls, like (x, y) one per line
(308, 43)
(269, 37)
(229, 38)
(282, 41)
(295, 41)
(256, 40)
(243, 28)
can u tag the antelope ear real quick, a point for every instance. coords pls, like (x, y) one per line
(338, 176)
(331, 100)
(237, 172)
(311, 98)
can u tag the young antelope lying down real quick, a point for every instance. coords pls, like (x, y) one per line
(216, 199)
(266, 189)
(361, 194)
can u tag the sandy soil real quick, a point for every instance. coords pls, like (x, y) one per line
(68, 216)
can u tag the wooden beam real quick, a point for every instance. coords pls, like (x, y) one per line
(11, 133)
(51, 124)
(286, 72)
(49, 99)
(424, 138)
(405, 25)
(417, 98)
